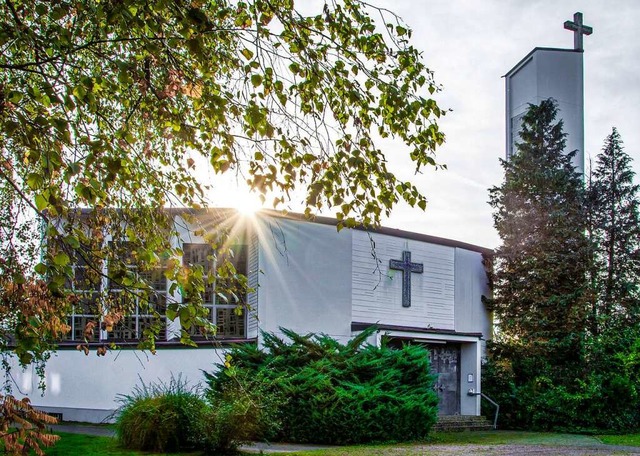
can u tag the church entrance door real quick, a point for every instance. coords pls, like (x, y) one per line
(445, 360)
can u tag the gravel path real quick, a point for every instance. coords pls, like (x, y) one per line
(529, 450)
(589, 447)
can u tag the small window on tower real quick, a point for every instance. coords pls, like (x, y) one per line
(516, 128)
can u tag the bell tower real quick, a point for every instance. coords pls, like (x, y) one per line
(550, 73)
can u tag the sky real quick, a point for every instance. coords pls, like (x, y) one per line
(470, 45)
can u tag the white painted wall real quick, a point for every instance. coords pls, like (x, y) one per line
(311, 278)
(305, 279)
(469, 365)
(551, 73)
(377, 290)
(84, 388)
(471, 284)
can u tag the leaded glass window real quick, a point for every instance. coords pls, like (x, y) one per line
(86, 286)
(137, 302)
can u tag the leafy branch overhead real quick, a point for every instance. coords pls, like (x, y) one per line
(112, 110)
(117, 103)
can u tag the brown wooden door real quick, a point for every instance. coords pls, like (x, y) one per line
(445, 365)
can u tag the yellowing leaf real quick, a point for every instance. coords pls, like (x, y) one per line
(248, 54)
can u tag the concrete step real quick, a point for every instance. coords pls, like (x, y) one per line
(452, 423)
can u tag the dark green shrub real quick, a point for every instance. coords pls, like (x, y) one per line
(161, 417)
(606, 399)
(326, 392)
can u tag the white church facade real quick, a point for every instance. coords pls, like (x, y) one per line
(311, 278)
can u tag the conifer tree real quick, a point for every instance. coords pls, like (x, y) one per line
(540, 267)
(614, 210)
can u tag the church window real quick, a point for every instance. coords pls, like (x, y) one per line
(140, 304)
(226, 311)
(516, 129)
(86, 287)
(100, 294)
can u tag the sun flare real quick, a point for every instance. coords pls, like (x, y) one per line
(245, 202)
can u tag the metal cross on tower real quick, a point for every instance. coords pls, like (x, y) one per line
(578, 29)
(407, 267)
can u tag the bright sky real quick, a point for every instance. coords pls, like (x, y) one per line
(470, 45)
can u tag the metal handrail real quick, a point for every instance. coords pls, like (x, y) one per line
(471, 392)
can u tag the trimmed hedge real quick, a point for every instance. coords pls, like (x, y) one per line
(318, 390)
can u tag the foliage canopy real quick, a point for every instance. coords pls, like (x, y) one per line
(614, 230)
(539, 214)
(121, 107)
(566, 279)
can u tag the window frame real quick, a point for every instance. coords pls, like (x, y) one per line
(105, 291)
(215, 304)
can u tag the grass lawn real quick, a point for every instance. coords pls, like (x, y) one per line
(80, 445)
(626, 439)
(511, 437)
(77, 444)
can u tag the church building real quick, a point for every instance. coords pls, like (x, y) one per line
(311, 278)
(308, 277)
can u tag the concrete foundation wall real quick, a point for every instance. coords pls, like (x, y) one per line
(85, 388)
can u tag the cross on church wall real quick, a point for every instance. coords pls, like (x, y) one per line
(578, 29)
(407, 267)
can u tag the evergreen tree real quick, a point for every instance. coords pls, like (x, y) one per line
(540, 266)
(565, 286)
(614, 210)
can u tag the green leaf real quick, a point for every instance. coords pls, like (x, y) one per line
(248, 54)
(15, 97)
(34, 181)
(61, 259)
(41, 202)
(72, 241)
(256, 80)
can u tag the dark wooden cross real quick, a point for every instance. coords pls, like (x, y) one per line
(578, 29)
(407, 267)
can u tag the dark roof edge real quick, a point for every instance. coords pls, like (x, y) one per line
(383, 230)
(358, 326)
(516, 67)
(220, 212)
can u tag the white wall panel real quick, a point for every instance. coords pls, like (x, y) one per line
(305, 278)
(377, 290)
